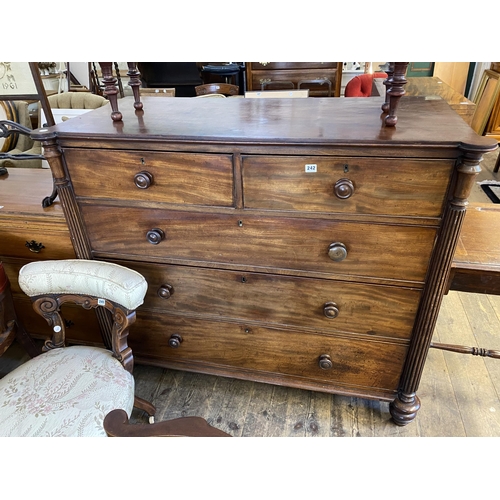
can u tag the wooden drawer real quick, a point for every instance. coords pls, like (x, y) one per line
(194, 179)
(239, 347)
(301, 302)
(374, 250)
(349, 185)
(44, 243)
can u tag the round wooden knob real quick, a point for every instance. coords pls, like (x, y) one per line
(343, 189)
(155, 235)
(174, 341)
(325, 362)
(337, 251)
(331, 310)
(143, 179)
(165, 291)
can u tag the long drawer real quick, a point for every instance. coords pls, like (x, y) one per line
(208, 345)
(325, 305)
(195, 179)
(36, 243)
(399, 187)
(325, 246)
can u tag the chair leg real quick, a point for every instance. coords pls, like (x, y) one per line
(146, 406)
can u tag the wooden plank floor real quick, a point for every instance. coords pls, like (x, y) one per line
(459, 393)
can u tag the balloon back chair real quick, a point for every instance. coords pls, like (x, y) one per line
(71, 391)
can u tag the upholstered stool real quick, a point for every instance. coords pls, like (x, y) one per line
(67, 391)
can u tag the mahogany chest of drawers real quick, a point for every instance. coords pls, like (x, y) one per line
(289, 241)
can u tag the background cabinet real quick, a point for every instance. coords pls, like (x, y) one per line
(323, 79)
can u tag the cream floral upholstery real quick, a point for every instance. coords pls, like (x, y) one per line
(86, 277)
(67, 391)
(64, 392)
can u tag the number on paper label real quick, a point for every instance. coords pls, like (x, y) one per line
(311, 167)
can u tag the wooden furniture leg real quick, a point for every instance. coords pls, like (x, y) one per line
(110, 90)
(390, 72)
(135, 83)
(395, 91)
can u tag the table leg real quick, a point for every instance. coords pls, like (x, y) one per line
(110, 90)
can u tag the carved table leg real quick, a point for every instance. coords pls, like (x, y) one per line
(110, 90)
(390, 72)
(404, 408)
(135, 83)
(395, 89)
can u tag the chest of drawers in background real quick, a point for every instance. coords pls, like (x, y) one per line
(294, 242)
(30, 232)
(323, 79)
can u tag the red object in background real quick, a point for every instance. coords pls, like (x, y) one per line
(361, 85)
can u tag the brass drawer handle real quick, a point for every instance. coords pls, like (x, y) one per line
(325, 362)
(155, 235)
(34, 247)
(331, 310)
(165, 291)
(143, 179)
(175, 340)
(343, 189)
(337, 251)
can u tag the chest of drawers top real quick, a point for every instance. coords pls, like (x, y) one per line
(323, 125)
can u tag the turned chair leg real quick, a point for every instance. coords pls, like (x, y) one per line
(146, 406)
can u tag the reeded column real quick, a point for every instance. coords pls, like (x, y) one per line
(76, 227)
(404, 408)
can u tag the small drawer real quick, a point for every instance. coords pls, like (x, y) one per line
(302, 302)
(36, 244)
(398, 187)
(177, 178)
(322, 359)
(322, 246)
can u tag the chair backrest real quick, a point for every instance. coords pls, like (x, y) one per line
(217, 88)
(91, 284)
(362, 85)
(77, 100)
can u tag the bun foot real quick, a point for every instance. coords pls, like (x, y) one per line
(390, 121)
(404, 408)
(116, 116)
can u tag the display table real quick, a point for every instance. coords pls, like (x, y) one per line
(432, 87)
(297, 242)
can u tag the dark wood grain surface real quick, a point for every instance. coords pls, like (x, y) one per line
(329, 121)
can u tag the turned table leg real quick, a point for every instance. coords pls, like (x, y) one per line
(110, 90)
(395, 90)
(390, 72)
(135, 83)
